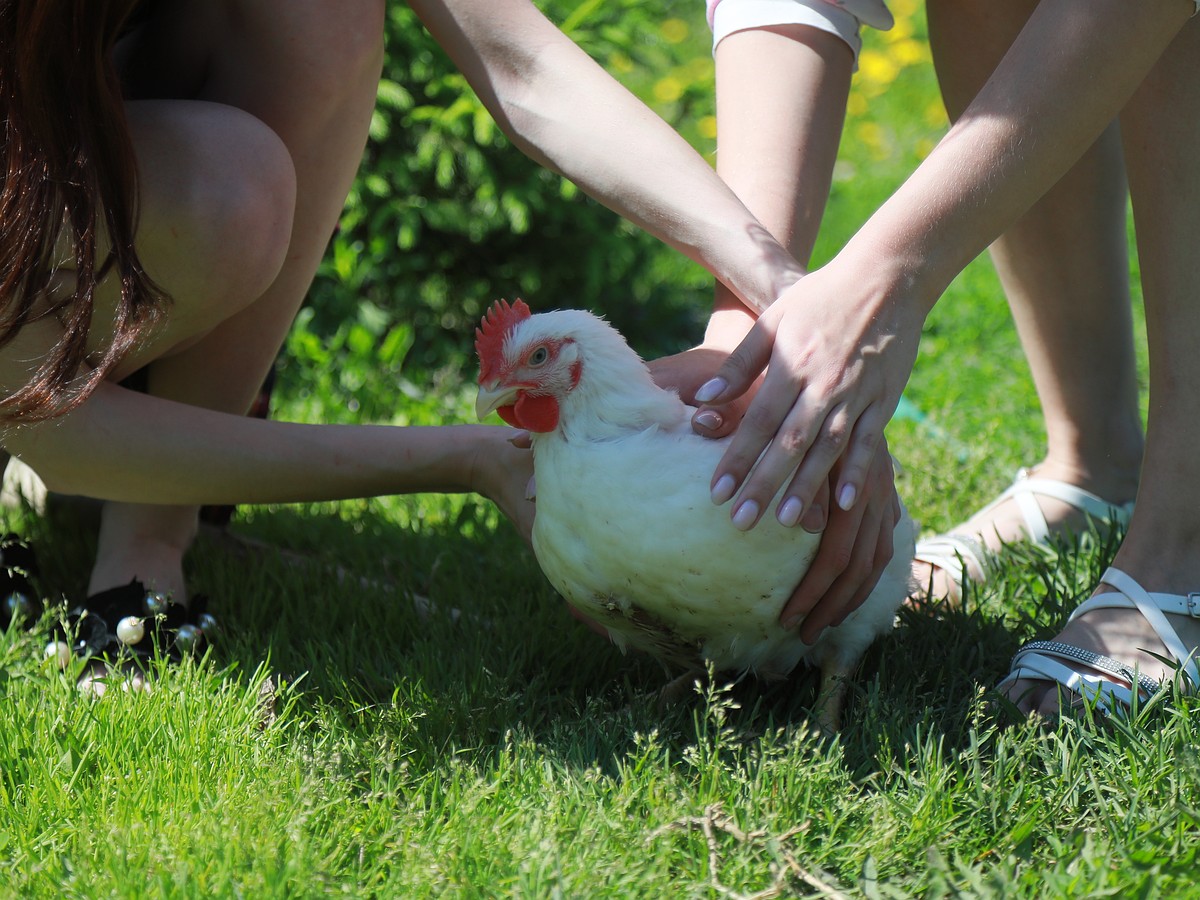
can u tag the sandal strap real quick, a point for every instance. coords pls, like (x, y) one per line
(1038, 660)
(1026, 488)
(168, 627)
(1028, 664)
(1094, 660)
(1131, 595)
(952, 553)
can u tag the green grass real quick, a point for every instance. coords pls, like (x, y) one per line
(507, 751)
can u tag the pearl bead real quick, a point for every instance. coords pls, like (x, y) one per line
(208, 624)
(18, 606)
(130, 630)
(188, 638)
(59, 652)
(156, 603)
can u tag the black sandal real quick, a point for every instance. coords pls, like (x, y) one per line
(132, 621)
(19, 601)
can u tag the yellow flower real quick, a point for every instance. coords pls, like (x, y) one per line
(856, 104)
(668, 89)
(875, 67)
(673, 30)
(935, 114)
(707, 126)
(904, 9)
(870, 133)
(909, 52)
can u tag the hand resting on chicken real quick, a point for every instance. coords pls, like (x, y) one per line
(625, 527)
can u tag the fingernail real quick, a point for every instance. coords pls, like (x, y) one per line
(711, 390)
(789, 511)
(708, 419)
(723, 489)
(846, 496)
(791, 622)
(531, 489)
(745, 516)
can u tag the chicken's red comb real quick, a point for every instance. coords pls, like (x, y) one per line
(489, 336)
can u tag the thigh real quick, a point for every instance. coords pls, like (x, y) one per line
(968, 38)
(1160, 128)
(216, 193)
(251, 124)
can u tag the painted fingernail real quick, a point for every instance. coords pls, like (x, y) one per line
(846, 496)
(708, 419)
(789, 511)
(711, 390)
(745, 516)
(723, 489)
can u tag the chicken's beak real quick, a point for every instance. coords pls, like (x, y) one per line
(492, 396)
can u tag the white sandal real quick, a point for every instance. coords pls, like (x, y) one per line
(955, 554)
(1038, 660)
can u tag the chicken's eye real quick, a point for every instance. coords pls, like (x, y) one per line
(539, 356)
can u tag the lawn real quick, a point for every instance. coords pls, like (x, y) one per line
(400, 706)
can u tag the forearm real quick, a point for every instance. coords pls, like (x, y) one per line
(1065, 78)
(781, 102)
(122, 445)
(566, 112)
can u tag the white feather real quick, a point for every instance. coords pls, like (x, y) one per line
(626, 532)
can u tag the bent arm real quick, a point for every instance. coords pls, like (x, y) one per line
(841, 343)
(1065, 78)
(132, 447)
(781, 100)
(563, 110)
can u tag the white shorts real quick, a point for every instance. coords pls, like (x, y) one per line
(839, 17)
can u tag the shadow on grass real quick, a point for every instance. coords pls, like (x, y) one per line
(441, 631)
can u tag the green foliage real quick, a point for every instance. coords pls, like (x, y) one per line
(452, 732)
(447, 215)
(503, 750)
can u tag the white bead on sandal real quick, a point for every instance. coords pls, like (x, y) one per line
(955, 554)
(1039, 660)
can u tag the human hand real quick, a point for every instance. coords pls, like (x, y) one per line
(838, 347)
(685, 372)
(502, 471)
(856, 546)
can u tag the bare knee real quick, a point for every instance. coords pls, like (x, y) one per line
(248, 220)
(218, 192)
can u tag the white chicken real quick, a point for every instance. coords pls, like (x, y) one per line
(625, 529)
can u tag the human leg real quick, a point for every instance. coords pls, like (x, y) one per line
(1064, 269)
(308, 72)
(1161, 128)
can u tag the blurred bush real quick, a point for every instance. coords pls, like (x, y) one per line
(446, 216)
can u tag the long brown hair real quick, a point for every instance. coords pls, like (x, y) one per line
(69, 171)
